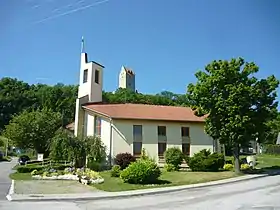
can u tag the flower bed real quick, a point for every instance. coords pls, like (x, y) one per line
(85, 176)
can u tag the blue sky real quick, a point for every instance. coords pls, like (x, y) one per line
(164, 41)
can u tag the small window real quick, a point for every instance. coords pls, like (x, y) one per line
(85, 77)
(185, 131)
(137, 130)
(161, 149)
(137, 148)
(96, 77)
(161, 130)
(186, 148)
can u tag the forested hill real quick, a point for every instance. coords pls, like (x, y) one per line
(16, 96)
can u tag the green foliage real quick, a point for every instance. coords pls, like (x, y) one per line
(15, 96)
(116, 171)
(205, 161)
(29, 168)
(95, 149)
(170, 167)
(174, 156)
(127, 96)
(237, 104)
(271, 149)
(144, 155)
(141, 172)
(244, 167)
(124, 159)
(65, 146)
(59, 98)
(34, 172)
(228, 167)
(93, 165)
(33, 129)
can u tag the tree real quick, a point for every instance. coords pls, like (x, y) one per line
(33, 129)
(15, 96)
(59, 98)
(65, 146)
(272, 130)
(236, 104)
(95, 149)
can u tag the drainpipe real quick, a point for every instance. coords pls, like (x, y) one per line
(111, 142)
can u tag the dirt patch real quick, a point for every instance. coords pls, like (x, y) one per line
(51, 187)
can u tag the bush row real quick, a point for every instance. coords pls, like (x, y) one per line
(30, 168)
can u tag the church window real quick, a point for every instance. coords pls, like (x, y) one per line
(96, 76)
(85, 76)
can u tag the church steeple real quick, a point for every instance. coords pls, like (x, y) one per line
(90, 87)
(91, 77)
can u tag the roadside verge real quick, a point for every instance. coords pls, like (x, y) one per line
(124, 194)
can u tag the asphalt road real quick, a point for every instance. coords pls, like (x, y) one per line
(5, 182)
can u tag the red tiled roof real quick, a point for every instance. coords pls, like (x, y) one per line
(146, 112)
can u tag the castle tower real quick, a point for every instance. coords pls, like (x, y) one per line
(127, 78)
(90, 87)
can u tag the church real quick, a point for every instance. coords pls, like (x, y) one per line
(132, 127)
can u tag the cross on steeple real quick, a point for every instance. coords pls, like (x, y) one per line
(83, 45)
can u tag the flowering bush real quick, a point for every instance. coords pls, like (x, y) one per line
(228, 167)
(69, 170)
(244, 167)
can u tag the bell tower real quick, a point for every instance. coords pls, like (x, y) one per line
(90, 87)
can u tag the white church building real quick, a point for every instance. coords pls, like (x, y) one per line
(132, 127)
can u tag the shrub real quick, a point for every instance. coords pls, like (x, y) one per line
(169, 167)
(141, 172)
(228, 167)
(124, 159)
(93, 165)
(34, 172)
(205, 161)
(174, 156)
(244, 167)
(29, 168)
(115, 171)
(46, 174)
(144, 155)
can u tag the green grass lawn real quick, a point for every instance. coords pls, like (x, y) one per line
(113, 184)
(20, 176)
(268, 161)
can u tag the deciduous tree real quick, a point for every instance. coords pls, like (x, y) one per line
(236, 103)
(33, 129)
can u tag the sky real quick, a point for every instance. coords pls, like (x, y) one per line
(164, 41)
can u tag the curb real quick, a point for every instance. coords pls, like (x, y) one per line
(124, 194)
(11, 191)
